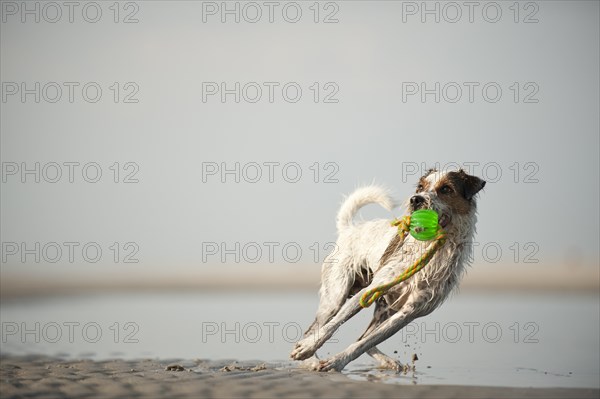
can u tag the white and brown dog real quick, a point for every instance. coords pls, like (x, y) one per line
(370, 254)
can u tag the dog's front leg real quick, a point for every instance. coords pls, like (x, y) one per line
(378, 335)
(309, 345)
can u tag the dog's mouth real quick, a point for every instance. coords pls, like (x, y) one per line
(444, 220)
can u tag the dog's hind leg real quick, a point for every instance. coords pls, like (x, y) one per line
(382, 313)
(307, 346)
(337, 280)
(384, 360)
(379, 334)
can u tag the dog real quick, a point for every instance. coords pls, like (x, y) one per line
(372, 253)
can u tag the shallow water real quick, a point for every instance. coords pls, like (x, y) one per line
(542, 340)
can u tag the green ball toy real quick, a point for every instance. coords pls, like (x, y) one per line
(424, 224)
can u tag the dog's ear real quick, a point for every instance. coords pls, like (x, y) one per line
(472, 184)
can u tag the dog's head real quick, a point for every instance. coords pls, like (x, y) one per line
(451, 194)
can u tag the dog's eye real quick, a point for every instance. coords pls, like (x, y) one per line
(419, 187)
(446, 189)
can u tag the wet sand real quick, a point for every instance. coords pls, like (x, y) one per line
(45, 377)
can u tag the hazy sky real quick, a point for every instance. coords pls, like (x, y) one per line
(343, 103)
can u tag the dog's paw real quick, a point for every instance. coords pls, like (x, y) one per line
(304, 349)
(391, 364)
(332, 364)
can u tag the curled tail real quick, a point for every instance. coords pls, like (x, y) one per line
(360, 198)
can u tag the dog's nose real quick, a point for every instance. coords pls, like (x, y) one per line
(416, 200)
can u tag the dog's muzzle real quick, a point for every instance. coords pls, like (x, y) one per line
(418, 202)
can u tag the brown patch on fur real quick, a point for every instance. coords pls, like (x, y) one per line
(471, 185)
(456, 199)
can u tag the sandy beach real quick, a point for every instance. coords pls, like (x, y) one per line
(45, 377)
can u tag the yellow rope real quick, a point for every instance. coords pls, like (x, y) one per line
(403, 228)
